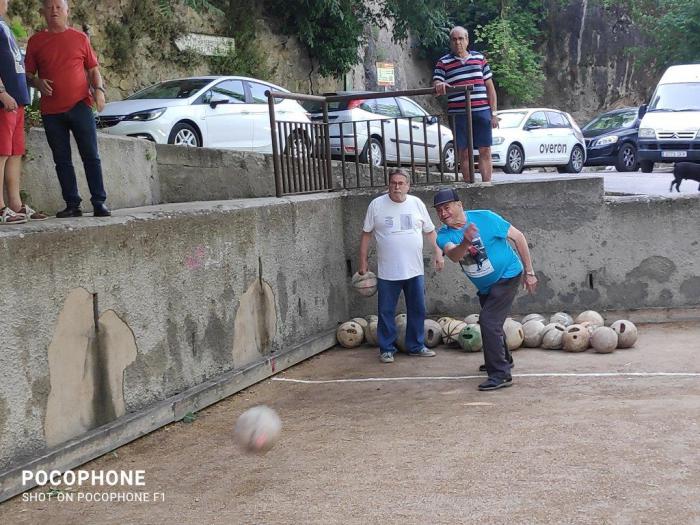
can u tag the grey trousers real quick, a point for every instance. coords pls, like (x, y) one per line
(495, 307)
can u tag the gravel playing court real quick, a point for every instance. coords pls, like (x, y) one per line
(579, 438)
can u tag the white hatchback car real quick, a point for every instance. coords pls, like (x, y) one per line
(537, 137)
(386, 129)
(213, 112)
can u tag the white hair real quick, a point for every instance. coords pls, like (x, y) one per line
(461, 29)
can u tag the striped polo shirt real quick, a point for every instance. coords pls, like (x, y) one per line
(456, 71)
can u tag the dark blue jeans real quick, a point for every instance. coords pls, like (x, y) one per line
(414, 293)
(81, 122)
(495, 306)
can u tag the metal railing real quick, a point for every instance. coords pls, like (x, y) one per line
(303, 152)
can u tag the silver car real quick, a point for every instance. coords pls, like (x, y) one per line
(386, 129)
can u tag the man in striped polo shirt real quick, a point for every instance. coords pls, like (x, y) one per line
(462, 67)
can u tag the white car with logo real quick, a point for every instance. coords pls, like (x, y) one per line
(537, 137)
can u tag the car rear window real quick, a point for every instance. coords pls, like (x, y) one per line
(317, 107)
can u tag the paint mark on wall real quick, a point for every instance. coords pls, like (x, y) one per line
(255, 324)
(86, 369)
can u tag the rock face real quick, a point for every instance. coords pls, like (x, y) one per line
(588, 65)
(586, 47)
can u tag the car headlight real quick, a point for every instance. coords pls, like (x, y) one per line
(498, 140)
(150, 114)
(647, 133)
(612, 139)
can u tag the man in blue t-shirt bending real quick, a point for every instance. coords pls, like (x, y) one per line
(478, 241)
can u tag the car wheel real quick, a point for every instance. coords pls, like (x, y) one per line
(297, 145)
(515, 159)
(575, 164)
(646, 165)
(374, 149)
(448, 158)
(184, 134)
(627, 158)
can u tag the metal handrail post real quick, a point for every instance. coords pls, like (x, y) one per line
(275, 153)
(327, 146)
(470, 138)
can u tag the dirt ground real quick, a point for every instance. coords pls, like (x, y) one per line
(586, 448)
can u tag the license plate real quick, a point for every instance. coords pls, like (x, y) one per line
(674, 154)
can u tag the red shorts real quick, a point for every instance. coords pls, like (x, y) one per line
(12, 132)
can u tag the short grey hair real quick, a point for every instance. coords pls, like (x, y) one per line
(459, 28)
(400, 171)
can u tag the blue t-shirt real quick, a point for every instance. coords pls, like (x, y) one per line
(491, 257)
(12, 66)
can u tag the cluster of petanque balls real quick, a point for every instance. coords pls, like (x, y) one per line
(560, 332)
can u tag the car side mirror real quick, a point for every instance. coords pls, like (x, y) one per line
(532, 126)
(216, 101)
(642, 111)
(431, 120)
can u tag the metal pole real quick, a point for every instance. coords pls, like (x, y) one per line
(275, 152)
(327, 146)
(470, 139)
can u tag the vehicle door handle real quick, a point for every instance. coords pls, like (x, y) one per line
(414, 126)
(245, 112)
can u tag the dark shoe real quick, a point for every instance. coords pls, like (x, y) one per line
(482, 368)
(70, 211)
(494, 383)
(100, 210)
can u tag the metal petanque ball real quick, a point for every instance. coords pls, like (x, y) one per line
(470, 338)
(371, 334)
(451, 330)
(592, 317)
(626, 333)
(433, 333)
(534, 317)
(533, 331)
(576, 338)
(562, 318)
(401, 318)
(553, 333)
(604, 340)
(257, 429)
(513, 332)
(350, 334)
(365, 284)
(472, 319)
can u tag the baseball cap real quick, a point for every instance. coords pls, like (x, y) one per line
(444, 196)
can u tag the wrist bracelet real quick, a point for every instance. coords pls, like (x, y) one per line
(101, 89)
(531, 273)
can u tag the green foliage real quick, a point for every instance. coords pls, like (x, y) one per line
(27, 11)
(246, 60)
(18, 29)
(331, 30)
(674, 27)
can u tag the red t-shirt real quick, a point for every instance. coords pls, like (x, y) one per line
(64, 58)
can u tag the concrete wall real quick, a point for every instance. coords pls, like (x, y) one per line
(128, 165)
(588, 251)
(112, 317)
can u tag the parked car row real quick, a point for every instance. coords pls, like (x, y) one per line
(232, 112)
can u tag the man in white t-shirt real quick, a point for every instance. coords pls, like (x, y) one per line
(398, 222)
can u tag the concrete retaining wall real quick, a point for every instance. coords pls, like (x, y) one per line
(588, 251)
(129, 170)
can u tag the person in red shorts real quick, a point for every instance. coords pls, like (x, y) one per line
(13, 97)
(62, 65)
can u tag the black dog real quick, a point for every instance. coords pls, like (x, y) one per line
(685, 170)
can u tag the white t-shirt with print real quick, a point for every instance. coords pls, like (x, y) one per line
(398, 229)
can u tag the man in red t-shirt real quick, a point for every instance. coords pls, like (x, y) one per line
(57, 61)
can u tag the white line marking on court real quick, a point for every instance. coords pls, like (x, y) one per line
(452, 378)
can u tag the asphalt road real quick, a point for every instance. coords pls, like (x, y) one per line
(636, 183)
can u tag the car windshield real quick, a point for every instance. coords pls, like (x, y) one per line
(512, 119)
(612, 121)
(676, 97)
(171, 89)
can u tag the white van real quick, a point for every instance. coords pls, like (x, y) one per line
(670, 126)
